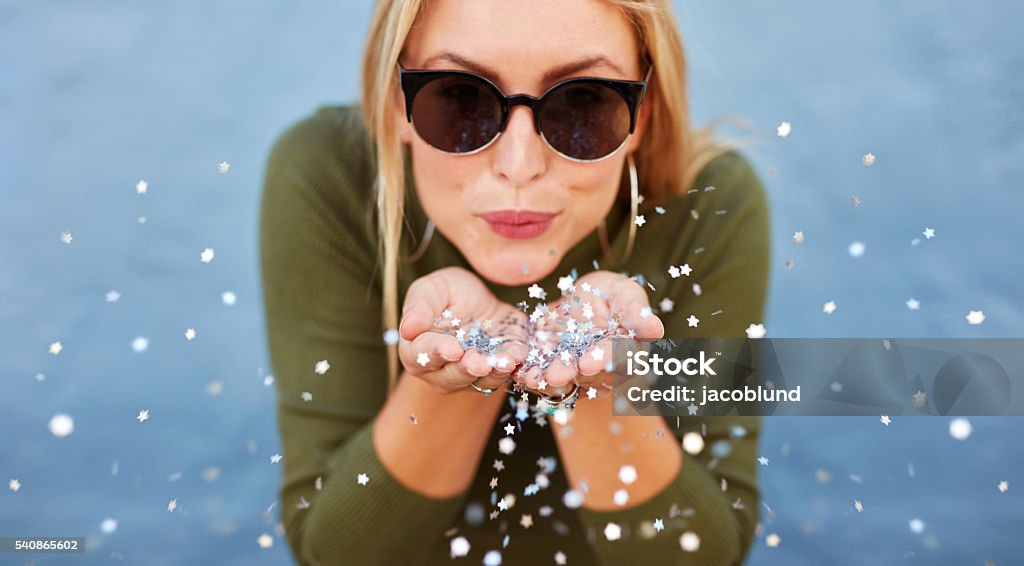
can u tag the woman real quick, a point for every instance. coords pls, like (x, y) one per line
(443, 196)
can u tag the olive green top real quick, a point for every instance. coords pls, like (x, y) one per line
(322, 297)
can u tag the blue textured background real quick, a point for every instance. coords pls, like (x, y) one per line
(94, 97)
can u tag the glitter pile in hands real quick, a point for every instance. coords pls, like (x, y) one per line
(563, 331)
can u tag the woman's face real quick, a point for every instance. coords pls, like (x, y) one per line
(515, 45)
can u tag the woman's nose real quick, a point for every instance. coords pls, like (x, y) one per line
(519, 152)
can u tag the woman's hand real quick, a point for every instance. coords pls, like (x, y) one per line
(447, 366)
(608, 294)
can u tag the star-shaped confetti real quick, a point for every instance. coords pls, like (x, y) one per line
(306, 396)
(597, 354)
(526, 521)
(627, 474)
(858, 505)
(362, 479)
(913, 304)
(206, 256)
(960, 428)
(591, 393)
(868, 160)
(762, 460)
(640, 220)
(692, 321)
(885, 420)
(61, 425)
(223, 167)
(756, 331)
(1003, 486)
(798, 238)
(190, 334)
(459, 547)
(536, 292)
(783, 129)
(140, 344)
(691, 409)
(975, 317)
(689, 541)
(423, 359)
(666, 305)
(856, 249)
(321, 367)
(509, 429)
(276, 458)
(612, 531)
(141, 187)
(172, 505)
(560, 558)
(14, 485)
(66, 237)
(919, 399)
(829, 308)
(928, 233)
(56, 347)
(113, 296)
(659, 525)
(772, 540)
(143, 415)
(620, 497)
(506, 445)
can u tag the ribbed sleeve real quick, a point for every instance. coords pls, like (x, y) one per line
(728, 249)
(322, 311)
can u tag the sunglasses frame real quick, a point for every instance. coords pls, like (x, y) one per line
(632, 92)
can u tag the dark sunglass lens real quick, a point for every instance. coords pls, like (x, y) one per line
(585, 120)
(457, 113)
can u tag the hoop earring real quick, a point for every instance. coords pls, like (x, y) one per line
(428, 234)
(634, 202)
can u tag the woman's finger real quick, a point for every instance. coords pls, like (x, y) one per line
(596, 358)
(560, 373)
(430, 351)
(426, 298)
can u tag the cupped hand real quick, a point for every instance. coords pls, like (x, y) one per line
(610, 296)
(458, 298)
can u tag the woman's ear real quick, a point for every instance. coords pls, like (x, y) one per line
(402, 125)
(642, 120)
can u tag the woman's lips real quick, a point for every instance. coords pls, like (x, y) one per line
(519, 224)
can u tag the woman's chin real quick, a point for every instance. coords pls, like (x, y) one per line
(515, 269)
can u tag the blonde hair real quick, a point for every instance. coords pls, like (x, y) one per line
(668, 158)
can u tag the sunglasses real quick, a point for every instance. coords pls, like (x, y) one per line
(583, 119)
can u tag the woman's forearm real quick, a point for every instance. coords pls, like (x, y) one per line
(593, 453)
(439, 454)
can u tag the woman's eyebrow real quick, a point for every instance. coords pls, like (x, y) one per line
(550, 76)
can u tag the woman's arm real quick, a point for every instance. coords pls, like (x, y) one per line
(717, 499)
(438, 456)
(340, 503)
